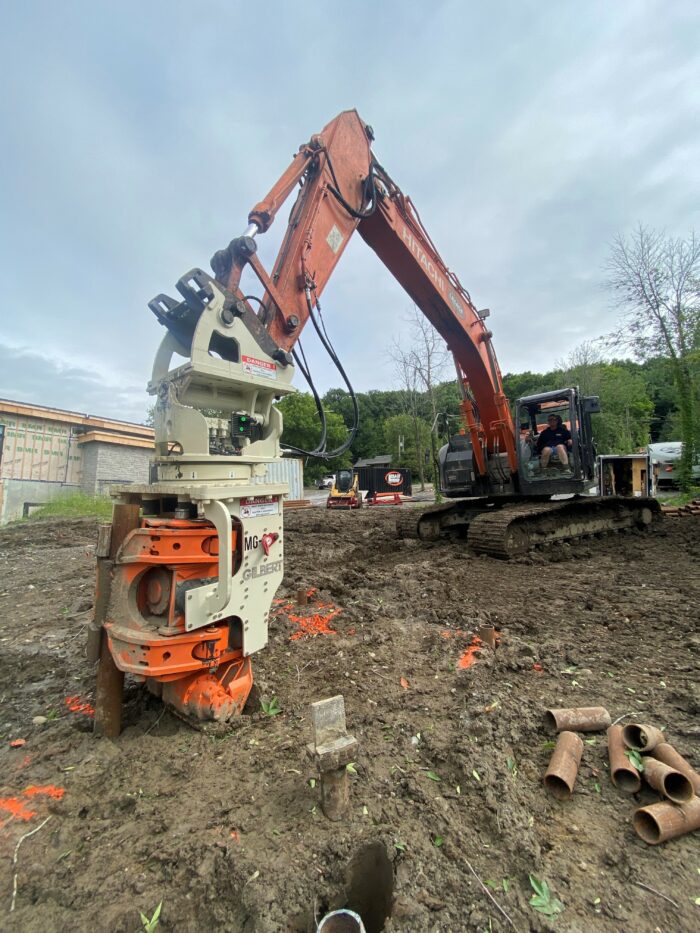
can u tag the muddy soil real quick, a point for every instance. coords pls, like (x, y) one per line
(226, 829)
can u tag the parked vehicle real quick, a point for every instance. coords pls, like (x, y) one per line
(666, 456)
(326, 481)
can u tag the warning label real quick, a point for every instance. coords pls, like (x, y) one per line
(334, 239)
(255, 367)
(259, 505)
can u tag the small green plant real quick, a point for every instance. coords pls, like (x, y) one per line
(438, 841)
(502, 885)
(150, 925)
(635, 759)
(542, 900)
(433, 776)
(400, 846)
(271, 707)
(512, 766)
(350, 767)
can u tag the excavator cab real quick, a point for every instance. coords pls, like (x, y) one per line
(544, 471)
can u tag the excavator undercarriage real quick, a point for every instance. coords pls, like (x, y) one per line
(507, 526)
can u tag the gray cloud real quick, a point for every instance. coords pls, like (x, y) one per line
(28, 375)
(139, 136)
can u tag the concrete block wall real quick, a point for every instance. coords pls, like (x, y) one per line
(106, 465)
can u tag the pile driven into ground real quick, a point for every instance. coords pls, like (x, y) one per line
(225, 829)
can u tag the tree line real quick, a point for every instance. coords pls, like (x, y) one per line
(638, 406)
(654, 283)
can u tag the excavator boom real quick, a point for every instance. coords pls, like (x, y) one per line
(343, 189)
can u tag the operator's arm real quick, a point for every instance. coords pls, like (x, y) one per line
(541, 440)
(567, 436)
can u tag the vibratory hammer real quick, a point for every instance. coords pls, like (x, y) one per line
(192, 585)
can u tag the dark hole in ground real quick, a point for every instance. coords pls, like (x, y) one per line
(370, 886)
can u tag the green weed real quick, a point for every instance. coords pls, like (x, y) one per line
(271, 707)
(542, 900)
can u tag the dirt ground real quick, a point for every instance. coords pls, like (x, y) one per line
(226, 830)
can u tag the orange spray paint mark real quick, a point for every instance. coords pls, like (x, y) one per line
(76, 704)
(16, 808)
(316, 623)
(469, 655)
(49, 790)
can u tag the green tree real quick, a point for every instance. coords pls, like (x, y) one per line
(302, 429)
(655, 283)
(414, 457)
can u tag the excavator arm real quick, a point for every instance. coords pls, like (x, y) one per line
(343, 189)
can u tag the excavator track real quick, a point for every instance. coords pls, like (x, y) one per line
(513, 529)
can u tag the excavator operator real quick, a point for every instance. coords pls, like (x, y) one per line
(555, 439)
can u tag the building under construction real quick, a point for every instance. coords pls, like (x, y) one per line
(45, 452)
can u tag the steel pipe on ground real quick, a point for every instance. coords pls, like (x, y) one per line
(668, 754)
(641, 737)
(563, 766)
(667, 781)
(578, 719)
(622, 772)
(662, 821)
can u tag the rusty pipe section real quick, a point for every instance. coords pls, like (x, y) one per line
(578, 719)
(641, 737)
(667, 753)
(622, 772)
(662, 821)
(563, 766)
(667, 781)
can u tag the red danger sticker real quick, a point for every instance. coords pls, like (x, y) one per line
(255, 367)
(255, 506)
(393, 478)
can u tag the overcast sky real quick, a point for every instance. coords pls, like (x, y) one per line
(136, 136)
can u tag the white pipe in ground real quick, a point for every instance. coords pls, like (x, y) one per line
(341, 921)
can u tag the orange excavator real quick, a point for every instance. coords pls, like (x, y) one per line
(192, 585)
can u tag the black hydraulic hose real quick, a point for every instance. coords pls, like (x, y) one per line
(306, 373)
(339, 366)
(370, 189)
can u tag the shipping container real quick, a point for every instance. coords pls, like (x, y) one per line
(289, 470)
